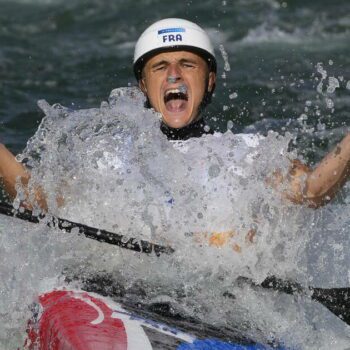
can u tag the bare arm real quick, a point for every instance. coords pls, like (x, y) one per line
(317, 187)
(12, 172)
(330, 175)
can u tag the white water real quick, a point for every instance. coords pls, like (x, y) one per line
(117, 171)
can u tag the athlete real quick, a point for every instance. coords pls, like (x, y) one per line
(175, 66)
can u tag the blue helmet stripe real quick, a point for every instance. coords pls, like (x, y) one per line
(171, 30)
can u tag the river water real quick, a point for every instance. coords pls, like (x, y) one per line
(283, 73)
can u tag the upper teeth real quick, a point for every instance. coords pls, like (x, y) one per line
(182, 89)
(172, 91)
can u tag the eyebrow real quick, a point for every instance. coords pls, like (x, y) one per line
(182, 60)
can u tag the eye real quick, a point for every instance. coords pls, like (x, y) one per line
(188, 65)
(159, 68)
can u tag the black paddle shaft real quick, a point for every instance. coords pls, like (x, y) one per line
(90, 232)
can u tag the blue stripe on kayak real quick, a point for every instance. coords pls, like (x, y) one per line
(211, 344)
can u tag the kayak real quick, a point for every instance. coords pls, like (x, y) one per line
(78, 320)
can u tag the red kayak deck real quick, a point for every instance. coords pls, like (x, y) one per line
(79, 321)
(76, 320)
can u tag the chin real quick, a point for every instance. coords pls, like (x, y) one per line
(178, 120)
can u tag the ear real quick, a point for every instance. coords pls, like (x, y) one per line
(211, 81)
(142, 86)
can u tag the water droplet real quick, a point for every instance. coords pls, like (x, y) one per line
(333, 84)
(329, 103)
(214, 171)
(224, 55)
(233, 95)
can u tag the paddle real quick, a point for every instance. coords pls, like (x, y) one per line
(90, 232)
(337, 300)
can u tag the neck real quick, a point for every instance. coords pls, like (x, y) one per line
(197, 128)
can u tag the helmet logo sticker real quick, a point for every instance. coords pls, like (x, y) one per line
(172, 37)
(167, 37)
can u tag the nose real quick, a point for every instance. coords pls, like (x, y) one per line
(174, 73)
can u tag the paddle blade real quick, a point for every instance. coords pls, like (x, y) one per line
(336, 300)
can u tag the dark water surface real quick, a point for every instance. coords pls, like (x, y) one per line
(75, 52)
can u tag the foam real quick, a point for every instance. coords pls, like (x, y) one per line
(117, 171)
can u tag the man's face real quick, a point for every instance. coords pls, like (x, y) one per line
(175, 83)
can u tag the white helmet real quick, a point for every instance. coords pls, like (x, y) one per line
(169, 35)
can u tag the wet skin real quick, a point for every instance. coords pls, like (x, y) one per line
(175, 83)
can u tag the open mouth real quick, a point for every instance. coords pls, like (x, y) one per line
(175, 100)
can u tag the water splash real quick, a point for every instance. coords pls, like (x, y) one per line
(116, 170)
